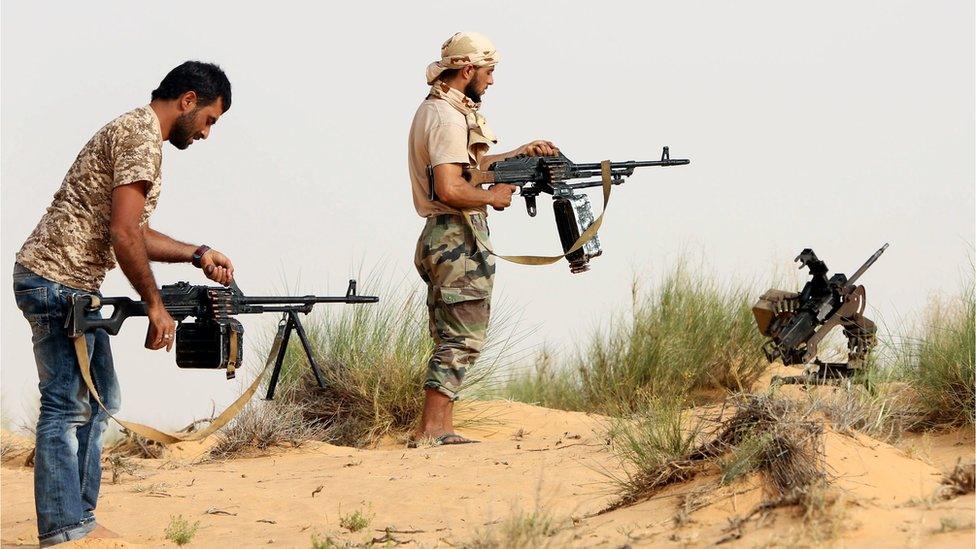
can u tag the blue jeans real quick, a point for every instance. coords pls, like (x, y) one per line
(67, 462)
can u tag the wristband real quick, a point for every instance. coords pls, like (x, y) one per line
(198, 255)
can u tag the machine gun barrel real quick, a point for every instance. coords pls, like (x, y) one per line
(867, 264)
(307, 300)
(631, 164)
(627, 168)
(303, 300)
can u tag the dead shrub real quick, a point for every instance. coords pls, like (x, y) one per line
(960, 481)
(265, 424)
(764, 434)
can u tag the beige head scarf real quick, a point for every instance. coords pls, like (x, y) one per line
(461, 50)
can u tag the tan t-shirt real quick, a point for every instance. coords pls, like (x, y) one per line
(438, 135)
(71, 244)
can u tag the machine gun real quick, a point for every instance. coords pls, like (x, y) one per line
(534, 175)
(215, 340)
(796, 323)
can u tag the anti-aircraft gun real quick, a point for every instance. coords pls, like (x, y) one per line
(796, 323)
(215, 340)
(534, 175)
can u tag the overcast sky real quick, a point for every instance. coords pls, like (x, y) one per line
(832, 125)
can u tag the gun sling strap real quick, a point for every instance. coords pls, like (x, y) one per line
(151, 433)
(589, 233)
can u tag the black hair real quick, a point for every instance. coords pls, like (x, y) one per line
(448, 74)
(206, 79)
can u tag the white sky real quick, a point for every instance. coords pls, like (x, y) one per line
(834, 125)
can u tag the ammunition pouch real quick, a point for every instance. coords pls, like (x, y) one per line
(210, 344)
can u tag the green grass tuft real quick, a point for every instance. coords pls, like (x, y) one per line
(374, 362)
(329, 542)
(746, 457)
(355, 521)
(690, 334)
(521, 530)
(180, 531)
(939, 363)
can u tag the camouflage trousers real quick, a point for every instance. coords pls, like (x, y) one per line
(459, 273)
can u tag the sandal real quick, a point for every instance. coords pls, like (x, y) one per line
(443, 440)
(452, 438)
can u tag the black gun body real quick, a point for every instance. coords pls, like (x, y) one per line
(822, 301)
(548, 174)
(183, 300)
(819, 299)
(545, 174)
(804, 324)
(535, 175)
(215, 339)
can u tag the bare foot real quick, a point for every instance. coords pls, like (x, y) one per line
(102, 532)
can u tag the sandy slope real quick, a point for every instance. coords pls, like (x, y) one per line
(529, 457)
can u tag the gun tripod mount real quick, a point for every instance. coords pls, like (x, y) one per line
(826, 373)
(796, 323)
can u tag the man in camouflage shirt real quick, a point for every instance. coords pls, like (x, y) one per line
(449, 134)
(99, 216)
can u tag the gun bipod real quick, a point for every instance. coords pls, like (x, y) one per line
(290, 322)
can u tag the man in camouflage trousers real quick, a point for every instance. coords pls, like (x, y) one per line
(450, 135)
(98, 217)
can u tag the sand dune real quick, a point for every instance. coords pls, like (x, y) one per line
(530, 458)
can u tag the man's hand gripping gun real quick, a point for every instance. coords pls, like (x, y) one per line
(216, 339)
(534, 175)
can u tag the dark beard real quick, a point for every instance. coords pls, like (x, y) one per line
(470, 92)
(180, 135)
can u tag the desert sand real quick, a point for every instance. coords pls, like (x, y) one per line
(530, 458)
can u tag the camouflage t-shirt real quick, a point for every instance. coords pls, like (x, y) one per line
(71, 244)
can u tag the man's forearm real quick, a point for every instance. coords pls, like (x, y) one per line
(461, 194)
(130, 250)
(160, 247)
